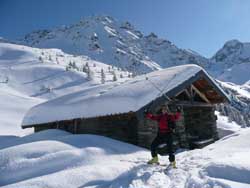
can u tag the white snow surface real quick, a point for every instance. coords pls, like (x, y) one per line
(13, 106)
(42, 72)
(29, 76)
(57, 159)
(114, 98)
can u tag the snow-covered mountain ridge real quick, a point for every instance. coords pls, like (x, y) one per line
(232, 63)
(120, 44)
(115, 43)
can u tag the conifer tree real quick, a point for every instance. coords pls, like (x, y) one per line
(103, 77)
(114, 77)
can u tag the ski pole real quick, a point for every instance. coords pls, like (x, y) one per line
(157, 87)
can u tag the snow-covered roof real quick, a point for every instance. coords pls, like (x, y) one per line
(114, 98)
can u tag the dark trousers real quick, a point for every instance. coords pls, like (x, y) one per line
(163, 138)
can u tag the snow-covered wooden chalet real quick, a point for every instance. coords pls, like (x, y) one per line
(116, 110)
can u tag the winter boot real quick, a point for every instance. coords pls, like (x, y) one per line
(154, 160)
(173, 164)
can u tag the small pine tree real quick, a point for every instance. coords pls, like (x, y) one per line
(114, 77)
(103, 77)
(7, 79)
(85, 68)
(90, 74)
(50, 58)
(40, 59)
(74, 66)
(70, 65)
(57, 62)
(133, 74)
(121, 76)
(94, 65)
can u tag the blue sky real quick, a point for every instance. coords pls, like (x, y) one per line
(200, 25)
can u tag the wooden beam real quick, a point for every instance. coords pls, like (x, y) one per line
(191, 92)
(184, 91)
(200, 94)
(188, 94)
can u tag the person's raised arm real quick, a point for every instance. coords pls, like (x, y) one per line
(151, 116)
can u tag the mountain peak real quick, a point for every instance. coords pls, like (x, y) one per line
(232, 43)
(231, 51)
(114, 42)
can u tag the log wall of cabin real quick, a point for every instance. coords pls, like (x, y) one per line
(196, 123)
(200, 124)
(121, 127)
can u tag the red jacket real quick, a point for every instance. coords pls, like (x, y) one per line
(162, 120)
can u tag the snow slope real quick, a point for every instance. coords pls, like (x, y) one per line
(13, 106)
(42, 72)
(29, 76)
(54, 158)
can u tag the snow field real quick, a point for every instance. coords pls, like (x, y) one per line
(13, 106)
(29, 76)
(42, 72)
(55, 158)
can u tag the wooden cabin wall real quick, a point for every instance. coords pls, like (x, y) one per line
(121, 127)
(200, 123)
(147, 131)
(196, 123)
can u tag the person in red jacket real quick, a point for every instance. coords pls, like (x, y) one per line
(164, 135)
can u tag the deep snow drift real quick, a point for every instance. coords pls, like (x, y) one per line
(55, 158)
